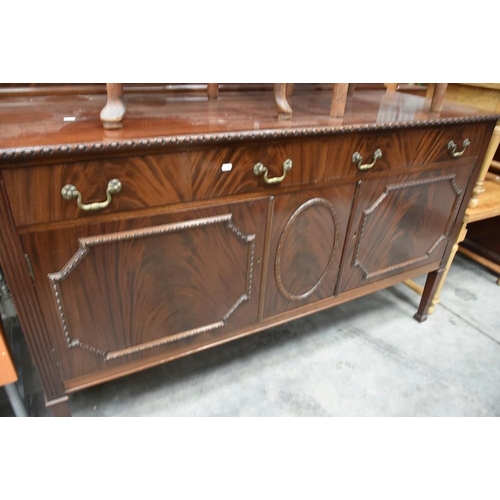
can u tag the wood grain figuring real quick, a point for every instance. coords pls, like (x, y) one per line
(145, 284)
(153, 235)
(210, 180)
(400, 150)
(108, 374)
(196, 250)
(400, 218)
(308, 230)
(147, 181)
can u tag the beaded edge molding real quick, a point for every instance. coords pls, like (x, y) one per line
(143, 144)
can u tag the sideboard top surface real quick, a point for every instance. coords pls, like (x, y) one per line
(55, 126)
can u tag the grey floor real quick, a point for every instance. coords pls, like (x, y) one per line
(365, 358)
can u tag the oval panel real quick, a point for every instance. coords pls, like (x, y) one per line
(306, 249)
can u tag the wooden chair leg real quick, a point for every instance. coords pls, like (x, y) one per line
(213, 90)
(112, 114)
(289, 89)
(438, 97)
(461, 237)
(282, 105)
(339, 99)
(488, 157)
(350, 89)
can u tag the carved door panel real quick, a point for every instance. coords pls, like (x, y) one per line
(402, 222)
(118, 291)
(307, 240)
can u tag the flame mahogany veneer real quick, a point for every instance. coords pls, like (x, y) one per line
(196, 250)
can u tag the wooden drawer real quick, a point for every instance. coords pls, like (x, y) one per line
(149, 180)
(226, 171)
(401, 149)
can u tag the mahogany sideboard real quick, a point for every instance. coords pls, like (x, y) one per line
(202, 221)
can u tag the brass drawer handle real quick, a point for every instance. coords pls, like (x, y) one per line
(357, 158)
(69, 192)
(452, 148)
(259, 169)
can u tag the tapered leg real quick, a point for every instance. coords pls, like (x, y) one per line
(430, 288)
(112, 114)
(60, 407)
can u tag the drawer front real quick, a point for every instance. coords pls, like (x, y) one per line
(151, 180)
(227, 171)
(401, 149)
(147, 181)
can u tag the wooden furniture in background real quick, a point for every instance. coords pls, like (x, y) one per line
(8, 376)
(174, 235)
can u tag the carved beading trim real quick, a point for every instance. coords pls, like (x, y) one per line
(85, 243)
(369, 211)
(166, 142)
(289, 224)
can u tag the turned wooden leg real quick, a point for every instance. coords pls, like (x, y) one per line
(488, 157)
(438, 97)
(289, 89)
(339, 99)
(112, 114)
(284, 109)
(431, 285)
(350, 89)
(60, 407)
(213, 90)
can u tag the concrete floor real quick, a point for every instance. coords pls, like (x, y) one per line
(368, 357)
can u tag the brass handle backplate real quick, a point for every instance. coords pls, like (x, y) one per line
(69, 192)
(259, 169)
(357, 158)
(452, 148)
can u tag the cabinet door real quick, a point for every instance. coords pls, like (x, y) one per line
(402, 222)
(125, 290)
(307, 239)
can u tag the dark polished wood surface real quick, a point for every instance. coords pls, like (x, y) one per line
(40, 121)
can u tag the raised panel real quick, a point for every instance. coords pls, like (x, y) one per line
(307, 239)
(124, 290)
(402, 222)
